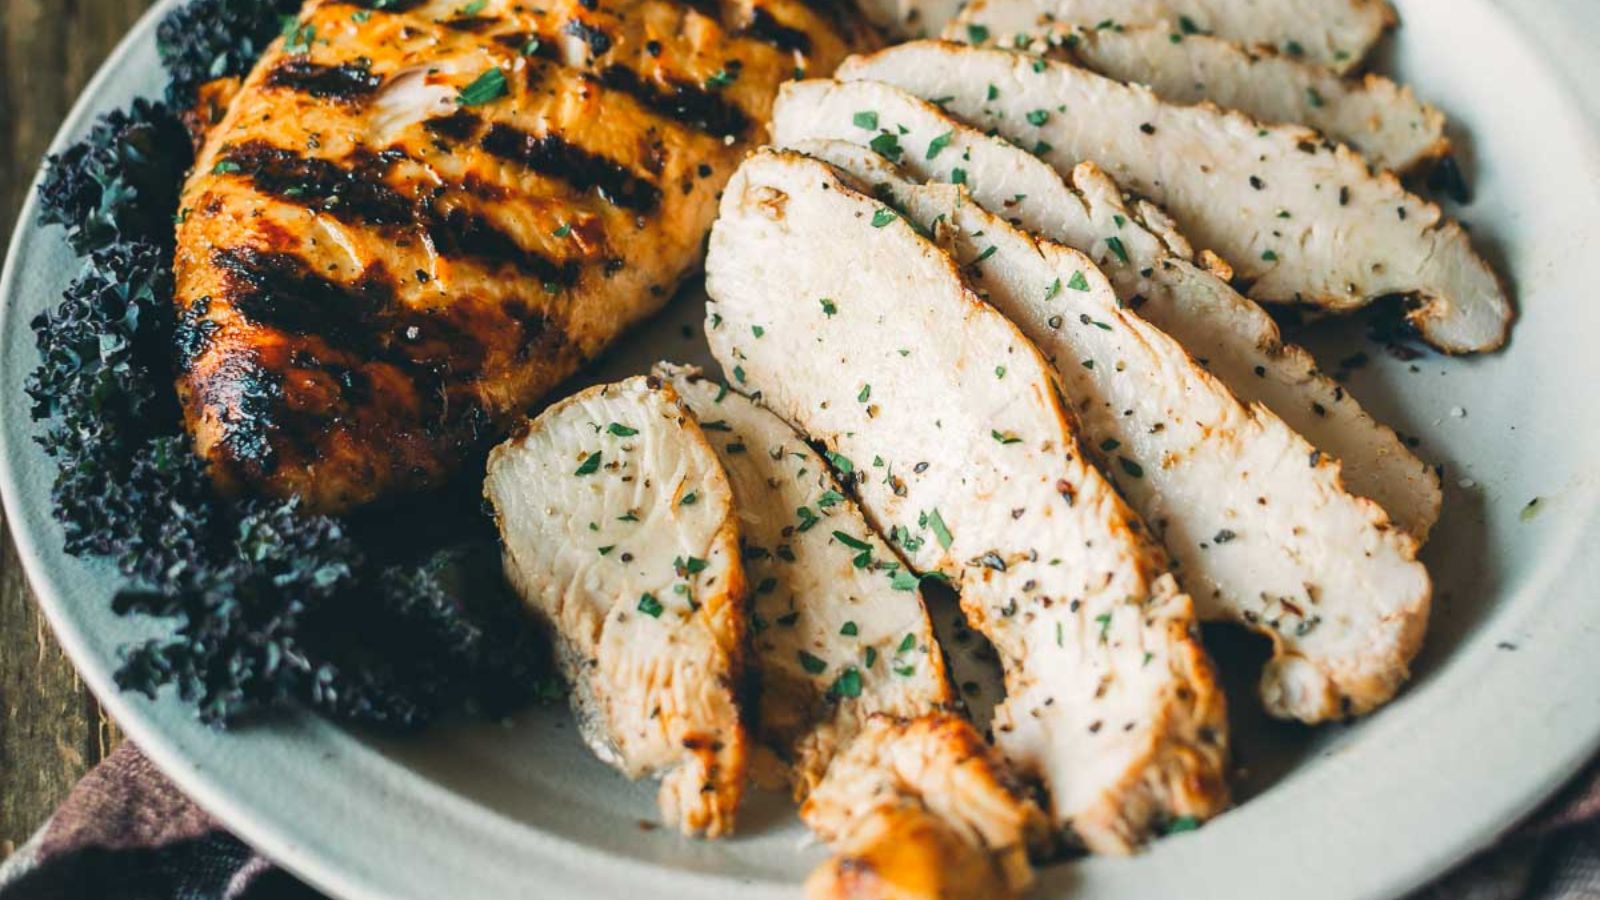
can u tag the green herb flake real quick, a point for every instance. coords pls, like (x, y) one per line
(225, 167)
(829, 308)
(689, 499)
(907, 644)
(1269, 255)
(758, 331)
(829, 499)
(1105, 626)
(1133, 469)
(1054, 289)
(650, 606)
(866, 119)
(1182, 824)
(849, 629)
(854, 543)
(977, 34)
(939, 143)
(621, 430)
(958, 176)
(1115, 243)
(883, 216)
(563, 231)
(1038, 117)
(812, 664)
(840, 462)
(936, 522)
(848, 684)
(590, 464)
(606, 550)
(1005, 437)
(871, 656)
(865, 395)
(887, 145)
(1532, 509)
(1078, 282)
(491, 85)
(901, 580)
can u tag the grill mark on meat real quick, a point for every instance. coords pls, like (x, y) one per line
(766, 28)
(394, 6)
(357, 195)
(688, 104)
(553, 156)
(345, 83)
(458, 232)
(458, 126)
(469, 24)
(518, 41)
(597, 38)
(280, 291)
(245, 393)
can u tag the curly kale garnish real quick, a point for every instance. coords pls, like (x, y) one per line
(391, 619)
(121, 182)
(209, 39)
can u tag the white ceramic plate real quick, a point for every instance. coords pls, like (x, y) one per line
(1504, 707)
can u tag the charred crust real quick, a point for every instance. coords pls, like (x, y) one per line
(688, 104)
(345, 83)
(765, 27)
(553, 156)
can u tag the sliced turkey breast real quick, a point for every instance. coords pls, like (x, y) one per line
(1302, 220)
(843, 646)
(922, 809)
(832, 604)
(619, 533)
(1261, 529)
(1149, 265)
(959, 447)
(1383, 120)
(1334, 33)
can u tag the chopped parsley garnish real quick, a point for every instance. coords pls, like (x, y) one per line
(808, 519)
(901, 580)
(999, 372)
(883, 216)
(933, 520)
(1105, 625)
(866, 119)
(939, 143)
(1005, 437)
(1115, 243)
(689, 499)
(590, 464)
(853, 543)
(887, 145)
(830, 498)
(871, 656)
(1132, 468)
(977, 34)
(491, 85)
(1054, 289)
(738, 374)
(958, 176)
(865, 395)
(721, 78)
(907, 643)
(848, 684)
(849, 629)
(1077, 282)
(840, 462)
(1109, 444)
(225, 167)
(1038, 117)
(563, 231)
(757, 330)
(813, 664)
(621, 430)
(829, 308)
(650, 606)
(1182, 824)
(606, 550)
(1269, 255)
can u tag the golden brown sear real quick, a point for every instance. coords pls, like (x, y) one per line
(415, 218)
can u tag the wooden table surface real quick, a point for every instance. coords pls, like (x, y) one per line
(51, 729)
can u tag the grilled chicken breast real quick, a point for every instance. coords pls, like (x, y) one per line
(412, 221)
(838, 629)
(1150, 266)
(1383, 120)
(877, 348)
(1260, 537)
(620, 534)
(1334, 33)
(922, 810)
(1301, 220)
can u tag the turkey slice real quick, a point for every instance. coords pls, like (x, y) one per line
(853, 684)
(1148, 265)
(619, 533)
(960, 448)
(1383, 120)
(922, 809)
(1334, 33)
(832, 605)
(1262, 531)
(1301, 220)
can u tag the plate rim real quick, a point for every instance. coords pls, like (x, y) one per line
(339, 876)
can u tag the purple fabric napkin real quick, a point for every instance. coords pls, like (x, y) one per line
(125, 833)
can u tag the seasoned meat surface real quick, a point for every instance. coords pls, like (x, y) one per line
(1153, 269)
(619, 533)
(1110, 699)
(1299, 219)
(415, 218)
(1260, 537)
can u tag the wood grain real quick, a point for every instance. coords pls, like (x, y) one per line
(51, 730)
